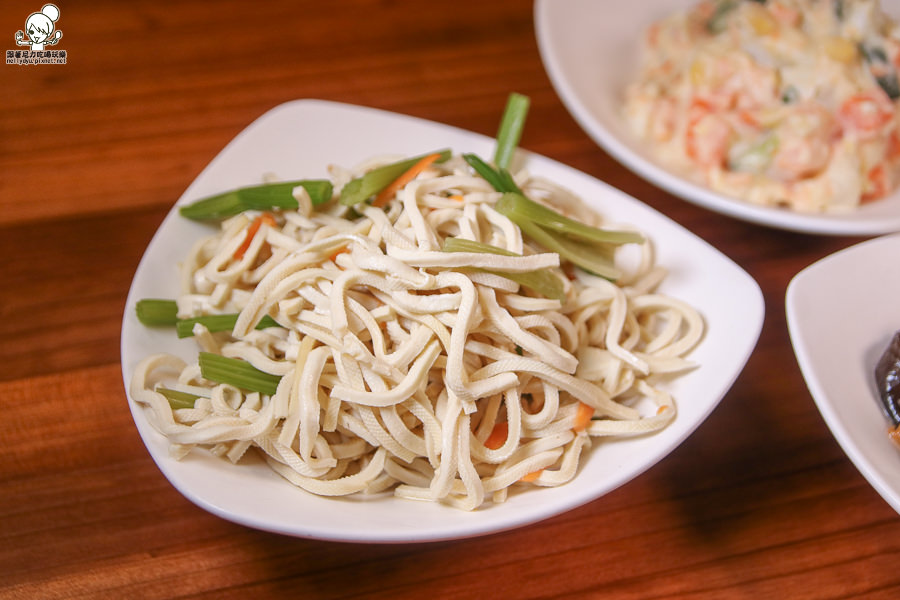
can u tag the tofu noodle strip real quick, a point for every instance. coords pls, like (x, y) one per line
(403, 367)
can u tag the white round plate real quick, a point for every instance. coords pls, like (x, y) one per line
(842, 312)
(591, 50)
(300, 139)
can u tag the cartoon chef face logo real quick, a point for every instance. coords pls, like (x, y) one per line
(40, 29)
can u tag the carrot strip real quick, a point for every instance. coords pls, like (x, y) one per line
(583, 417)
(266, 218)
(749, 118)
(878, 184)
(532, 476)
(498, 436)
(894, 435)
(893, 151)
(341, 250)
(866, 112)
(388, 192)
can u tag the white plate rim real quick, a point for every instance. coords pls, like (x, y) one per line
(869, 456)
(531, 507)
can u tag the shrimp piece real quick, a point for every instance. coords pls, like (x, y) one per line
(837, 189)
(866, 114)
(806, 137)
(755, 86)
(708, 76)
(708, 137)
(800, 157)
(733, 80)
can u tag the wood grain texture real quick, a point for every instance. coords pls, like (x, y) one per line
(760, 502)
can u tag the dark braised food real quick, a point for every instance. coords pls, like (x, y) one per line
(887, 378)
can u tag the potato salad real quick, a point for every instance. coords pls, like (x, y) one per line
(789, 103)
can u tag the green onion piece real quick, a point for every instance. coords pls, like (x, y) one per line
(881, 68)
(517, 207)
(178, 399)
(718, 22)
(237, 372)
(185, 327)
(500, 179)
(154, 312)
(509, 184)
(790, 94)
(511, 125)
(257, 197)
(542, 282)
(364, 187)
(755, 157)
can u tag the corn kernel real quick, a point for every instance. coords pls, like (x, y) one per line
(760, 19)
(840, 49)
(697, 72)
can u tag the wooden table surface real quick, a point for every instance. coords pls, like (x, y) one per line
(760, 502)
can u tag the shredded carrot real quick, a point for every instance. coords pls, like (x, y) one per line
(749, 118)
(698, 109)
(653, 35)
(894, 435)
(457, 197)
(879, 184)
(498, 436)
(387, 193)
(251, 231)
(583, 417)
(341, 250)
(532, 476)
(893, 152)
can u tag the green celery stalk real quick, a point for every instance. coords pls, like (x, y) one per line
(594, 258)
(455, 244)
(185, 327)
(500, 179)
(237, 372)
(155, 312)
(178, 399)
(517, 207)
(258, 197)
(511, 125)
(364, 187)
(542, 282)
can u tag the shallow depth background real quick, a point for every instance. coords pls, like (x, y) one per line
(759, 502)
